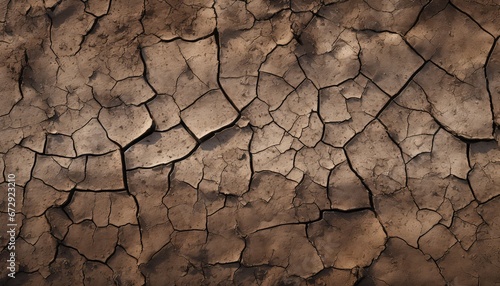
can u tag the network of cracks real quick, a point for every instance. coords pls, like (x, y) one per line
(254, 142)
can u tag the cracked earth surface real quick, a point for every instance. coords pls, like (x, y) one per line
(254, 142)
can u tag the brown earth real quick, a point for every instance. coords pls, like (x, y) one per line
(256, 142)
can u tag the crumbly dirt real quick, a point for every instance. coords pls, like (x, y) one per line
(257, 142)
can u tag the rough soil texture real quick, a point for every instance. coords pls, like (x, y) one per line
(254, 142)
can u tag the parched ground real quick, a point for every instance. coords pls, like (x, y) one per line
(258, 142)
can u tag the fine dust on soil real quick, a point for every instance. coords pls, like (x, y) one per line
(258, 142)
